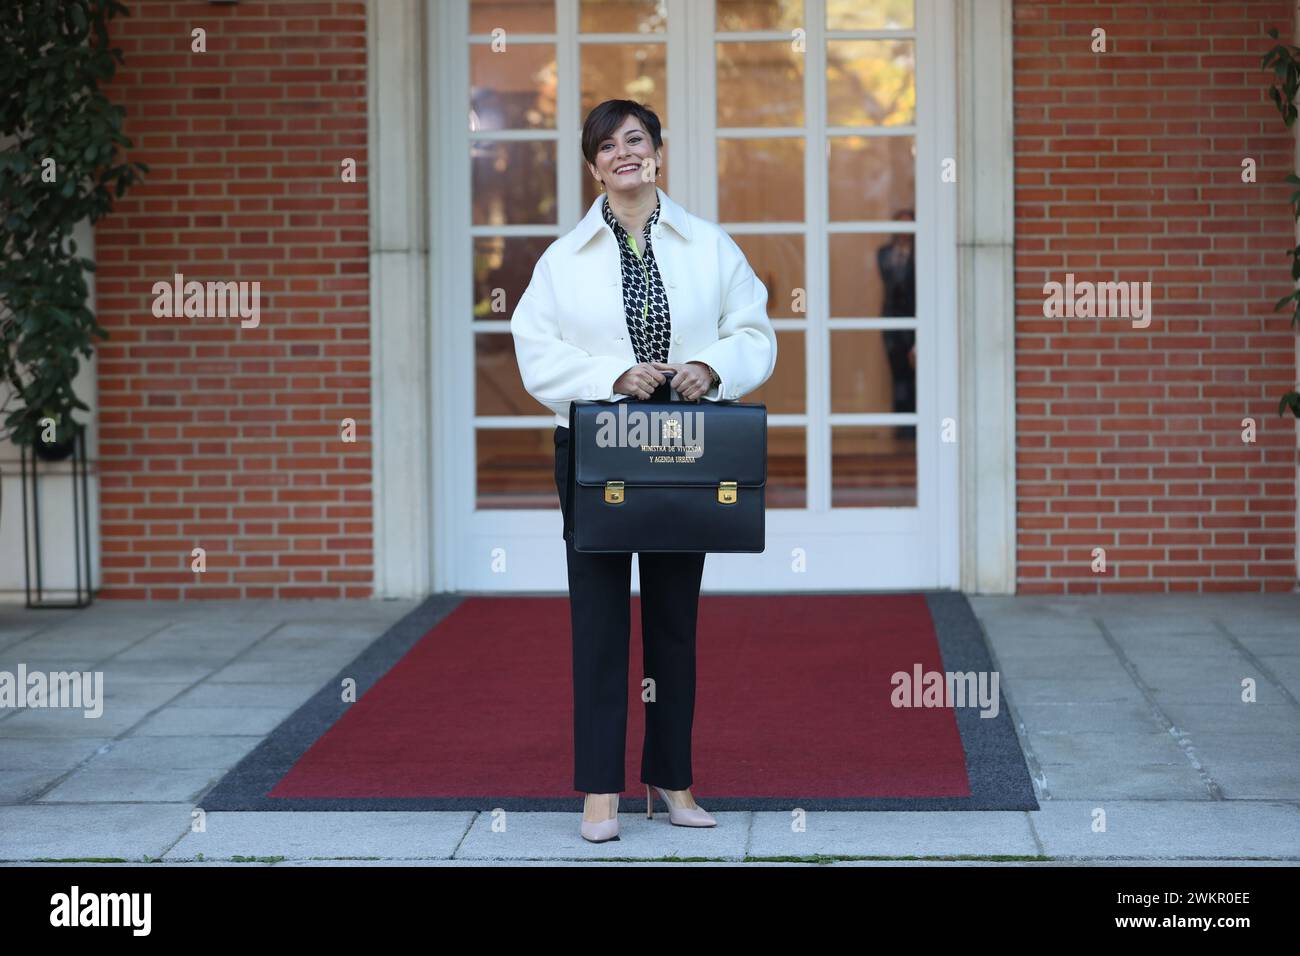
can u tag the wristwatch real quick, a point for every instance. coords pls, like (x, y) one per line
(712, 374)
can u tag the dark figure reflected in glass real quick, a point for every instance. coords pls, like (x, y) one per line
(898, 275)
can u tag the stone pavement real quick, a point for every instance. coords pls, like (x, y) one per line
(1128, 707)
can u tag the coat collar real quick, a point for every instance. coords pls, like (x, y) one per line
(594, 221)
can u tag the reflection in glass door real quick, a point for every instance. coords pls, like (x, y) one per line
(518, 192)
(816, 180)
(800, 126)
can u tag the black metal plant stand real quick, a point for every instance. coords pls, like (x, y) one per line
(80, 528)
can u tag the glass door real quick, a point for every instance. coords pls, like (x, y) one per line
(801, 127)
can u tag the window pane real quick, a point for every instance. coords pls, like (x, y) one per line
(872, 466)
(760, 84)
(503, 268)
(778, 261)
(867, 282)
(783, 393)
(513, 16)
(787, 467)
(740, 15)
(623, 16)
(872, 371)
(513, 182)
(515, 468)
(625, 71)
(869, 15)
(870, 82)
(760, 180)
(498, 389)
(513, 89)
(871, 177)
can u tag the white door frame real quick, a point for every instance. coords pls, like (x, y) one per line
(418, 466)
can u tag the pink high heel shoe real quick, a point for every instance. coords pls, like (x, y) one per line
(601, 830)
(695, 816)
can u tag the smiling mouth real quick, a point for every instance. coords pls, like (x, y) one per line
(632, 168)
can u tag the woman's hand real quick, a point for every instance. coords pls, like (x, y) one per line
(640, 380)
(690, 380)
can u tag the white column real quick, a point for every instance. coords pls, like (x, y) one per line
(986, 296)
(399, 317)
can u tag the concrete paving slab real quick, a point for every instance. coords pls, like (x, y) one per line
(84, 645)
(1092, 666)
(1089, 718)
(56, 723)
(132, 786)
(35, 753)
(362, 632)
(557, 835)
(1255, 748)
(10, 661)
(893, 834)
(117, 671)
(22, 786)
(1084, 690)
(278, 672)
(83, 831)
(339, 650)
(174, 753)
(1090, 750)
(1257, 719)
(1209, 829)
(1224, 690)
(390, 835)
(227, 694)
(1052, 647)
(213, 721)
(1121, 779)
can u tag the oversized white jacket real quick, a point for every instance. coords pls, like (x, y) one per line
(570, 331)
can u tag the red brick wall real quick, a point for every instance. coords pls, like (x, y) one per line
(1128, 168)
(211, 434)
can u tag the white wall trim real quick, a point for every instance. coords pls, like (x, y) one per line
(986, 295)
(399, 318)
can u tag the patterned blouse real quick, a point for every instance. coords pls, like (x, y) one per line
(645, 303)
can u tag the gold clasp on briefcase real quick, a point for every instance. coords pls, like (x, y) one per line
(613, 492)
(727, 492)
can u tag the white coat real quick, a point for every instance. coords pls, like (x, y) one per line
(570, 330)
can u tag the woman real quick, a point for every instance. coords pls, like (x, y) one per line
(639, 289)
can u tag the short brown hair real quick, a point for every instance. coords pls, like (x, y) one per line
(608, 116)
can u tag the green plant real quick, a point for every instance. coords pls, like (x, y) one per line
(58, 166)
(1284, 61)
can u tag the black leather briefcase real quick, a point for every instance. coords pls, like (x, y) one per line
(662, 475)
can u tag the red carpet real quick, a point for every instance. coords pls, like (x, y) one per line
(792, 698)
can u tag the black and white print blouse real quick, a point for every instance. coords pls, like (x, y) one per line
(645, 303)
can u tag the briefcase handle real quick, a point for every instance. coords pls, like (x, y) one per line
(664, 392)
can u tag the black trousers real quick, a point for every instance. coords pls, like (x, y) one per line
(600, 600)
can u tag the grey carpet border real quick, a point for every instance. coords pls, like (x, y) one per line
(999, 777)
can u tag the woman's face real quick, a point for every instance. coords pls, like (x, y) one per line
(621, 158)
